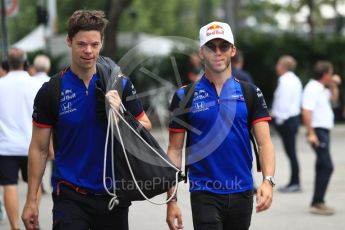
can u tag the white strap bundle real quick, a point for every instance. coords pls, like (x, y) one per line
(113, 118)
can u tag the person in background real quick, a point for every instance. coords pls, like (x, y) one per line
(318, 119)
(336, 105)
(3, 72)
(196, 70)
(237, 63)
(31, 69)
(42, 67)
(286, 109)
(4, 68)
(17, 93)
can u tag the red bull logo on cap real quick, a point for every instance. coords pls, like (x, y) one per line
(214, 29)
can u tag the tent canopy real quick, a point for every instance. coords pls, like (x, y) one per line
(33, 41)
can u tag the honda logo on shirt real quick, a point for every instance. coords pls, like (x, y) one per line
(199, 105)
(66, 106)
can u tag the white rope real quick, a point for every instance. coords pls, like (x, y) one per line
(136, 133)
(114, 201)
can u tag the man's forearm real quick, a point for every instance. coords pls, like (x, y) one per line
(267, 158)
(146, 124)
(265, 148)
(175, 157)
(36, 166)
(307, 117)
(174, 152)
(145, 121)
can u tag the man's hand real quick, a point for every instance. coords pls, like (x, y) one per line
(30, 216)
(264, 195)
(113, 99)
(173, 215)
(313, 140)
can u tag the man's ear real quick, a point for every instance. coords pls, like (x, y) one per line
(69, 41)
(233, 51)
(102, 45)
(201, 54)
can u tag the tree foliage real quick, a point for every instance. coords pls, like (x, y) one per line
(65, 9)
(184, 18)
(23, 22)
(173, 17)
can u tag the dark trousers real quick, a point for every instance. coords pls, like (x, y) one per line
(288, 132)
(324, 165)
(221, 212)
(75, 211)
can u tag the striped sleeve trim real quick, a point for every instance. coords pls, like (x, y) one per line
(177, 130)
(261, 119)
(42, 125)
(140, 115)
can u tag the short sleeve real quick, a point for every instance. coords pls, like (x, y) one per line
(260, 111)
(42, 112)
(308, 99)
(130, 99)
(178, 117)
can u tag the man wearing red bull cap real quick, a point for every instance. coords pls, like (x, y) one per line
(218, 142)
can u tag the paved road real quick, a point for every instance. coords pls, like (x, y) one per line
(288, 212)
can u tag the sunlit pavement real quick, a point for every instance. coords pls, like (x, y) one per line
(288, 212)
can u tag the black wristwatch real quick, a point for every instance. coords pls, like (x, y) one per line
(271, 180)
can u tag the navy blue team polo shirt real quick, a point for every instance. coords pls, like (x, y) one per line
(218, 142)
(80, 134)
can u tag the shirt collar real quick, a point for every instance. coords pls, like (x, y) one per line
(204, 79)
(315, 82)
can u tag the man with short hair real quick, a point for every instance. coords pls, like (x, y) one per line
(238, 72)
(42, 66)
(3, 68)
(79, 197)
(17, 93)
(286, 109)
(318, 119)
(218, 142)
(196, 69)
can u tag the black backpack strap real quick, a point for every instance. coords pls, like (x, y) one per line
(185, 105)
(187, 100)
(249, 98)
(54, 85)
(110, 77)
